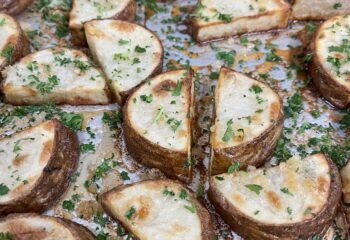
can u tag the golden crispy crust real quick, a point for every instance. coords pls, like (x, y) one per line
(329, 88)
(171, 163)
(248, 227)
(196, 27)
(14, 7)
(55, 178)
(253, 153)
(128, 14)
(78, 231)
(204, 216)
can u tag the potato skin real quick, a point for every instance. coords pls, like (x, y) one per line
(14, 7)
(329, 88)
(78, 231)
(55, 177)
(171, 163)
(20, 47)
(78, 34)
(250, 228)
(204, 216)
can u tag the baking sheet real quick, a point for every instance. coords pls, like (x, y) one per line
(277, 58)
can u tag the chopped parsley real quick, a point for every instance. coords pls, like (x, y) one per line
(124, 175)
(87, 147)
(168, 192)
(128, 215)
(191, 207)
(147, 99)
(256, 89)
(174, 124)
(254, 188)
(122, 42)
(7, 52)
(337, 6)
(178, 88)
(226, 57)
(294, 105)
(68, 205)
(3, 189)
(225, 17)
(112, 119)
(140, 49)
(286, 191)
(234, 167)
(228, 135)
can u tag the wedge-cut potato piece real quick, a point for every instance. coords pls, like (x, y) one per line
(295, 200)
(330, 66)
(214, 19)
(36, 165)
(319, 9)
(127, 52)
(30, 226)
(14, 7)
(158, 210)
(13, 43)
(157, 123)
(86, 10)
(248, 122)
(59, 75)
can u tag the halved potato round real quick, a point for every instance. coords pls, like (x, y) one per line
(159, 210)
(30, 226)
(127, 52)
(330, 66)
(248, 122)
(13, 42)
(157, 123)
(36, 165)
(59, 75)
(295, 200)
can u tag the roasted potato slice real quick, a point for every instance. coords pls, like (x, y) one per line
(33, 226)
(59, 75)
(36, 165)
(86, 10)
(157, 123)
(319, 9)
(13, 43)
(128, 53)
(330, 66)
(248, 122)
(215, 19)
(295, 200)
(158, 210)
